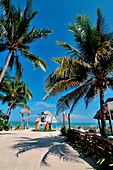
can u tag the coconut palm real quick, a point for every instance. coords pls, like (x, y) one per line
(15, 93)
(87, 69)
(16, 36)
(68, 75)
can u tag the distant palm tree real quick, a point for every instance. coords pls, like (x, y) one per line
(87, 70)
(16, 36)
(15, 93)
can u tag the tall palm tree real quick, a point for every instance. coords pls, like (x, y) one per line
(15, 93)
(16, 36)
(87, 69)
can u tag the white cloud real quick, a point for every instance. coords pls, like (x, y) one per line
(36, 106)
(78, 117)
(42, 104)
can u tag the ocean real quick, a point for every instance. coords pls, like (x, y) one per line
(32, 124)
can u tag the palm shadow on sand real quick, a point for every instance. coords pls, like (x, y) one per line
(56, 145)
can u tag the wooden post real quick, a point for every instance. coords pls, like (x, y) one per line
(99, 125)
(22, 120)
(110, 122)
(69, 120)
(28, 121)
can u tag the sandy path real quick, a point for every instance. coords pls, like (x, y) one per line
(27, 150)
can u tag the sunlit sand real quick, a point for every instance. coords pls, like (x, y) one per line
(28, 150)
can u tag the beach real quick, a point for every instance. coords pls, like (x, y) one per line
(29, 150)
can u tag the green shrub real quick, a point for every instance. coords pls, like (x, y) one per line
(6, 125)
(63, 130)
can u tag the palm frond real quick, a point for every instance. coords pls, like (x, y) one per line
(58, 60)
(36, 61)
(6, 4)
(11, 62)
(63, 85)
(27, 10)
(42, 64)
(33, 35)
(19, 68)
(110, 82)
(72, 49)
(23, 26)
(1, 97)
(3, 47)
(102, 27)
(70, 73)
(43, 33)
(86, 37)
(73, 97)
(91, 94)
(70, 67)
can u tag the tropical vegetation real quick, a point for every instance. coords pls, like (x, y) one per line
(16, 35)
(86, 70)
(93, 146)
(15, 93)
(4, 125)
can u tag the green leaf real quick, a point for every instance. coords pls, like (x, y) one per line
(42, 65)
(98, 161)
(110, 164)
(58, 60)
(101, 148)
(102, 161)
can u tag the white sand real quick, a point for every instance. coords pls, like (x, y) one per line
(28, 150)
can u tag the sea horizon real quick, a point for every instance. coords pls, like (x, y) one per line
(73, 124)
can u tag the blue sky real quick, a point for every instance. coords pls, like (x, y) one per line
(55, 15)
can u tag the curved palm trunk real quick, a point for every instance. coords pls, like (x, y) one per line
(9, 110)
(6, 65)
(103, 116)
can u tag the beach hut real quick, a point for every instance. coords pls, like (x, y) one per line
(25, 110)
(108, 113)
(46, 121)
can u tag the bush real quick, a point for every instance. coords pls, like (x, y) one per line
(4, 125)
(63, 130)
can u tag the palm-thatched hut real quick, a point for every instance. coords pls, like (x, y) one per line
(25, 110)
(46, 121)
(108, 113)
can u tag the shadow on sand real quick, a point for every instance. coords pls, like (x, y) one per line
(5, 133)
(55, 144)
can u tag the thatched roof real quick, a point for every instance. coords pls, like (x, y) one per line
(108, 109)
(50, 115)
(25, 110)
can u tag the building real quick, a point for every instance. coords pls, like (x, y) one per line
(46, 121)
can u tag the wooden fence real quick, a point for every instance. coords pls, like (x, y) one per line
(93, 145)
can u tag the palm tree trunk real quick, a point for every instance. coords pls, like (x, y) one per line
(9, 111)
(63, 118)
(103, 116)
(69, 121)
(6, 65)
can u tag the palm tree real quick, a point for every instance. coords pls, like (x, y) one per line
(16, 36)
(87, 69)
(68, 75)
(15, 93)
